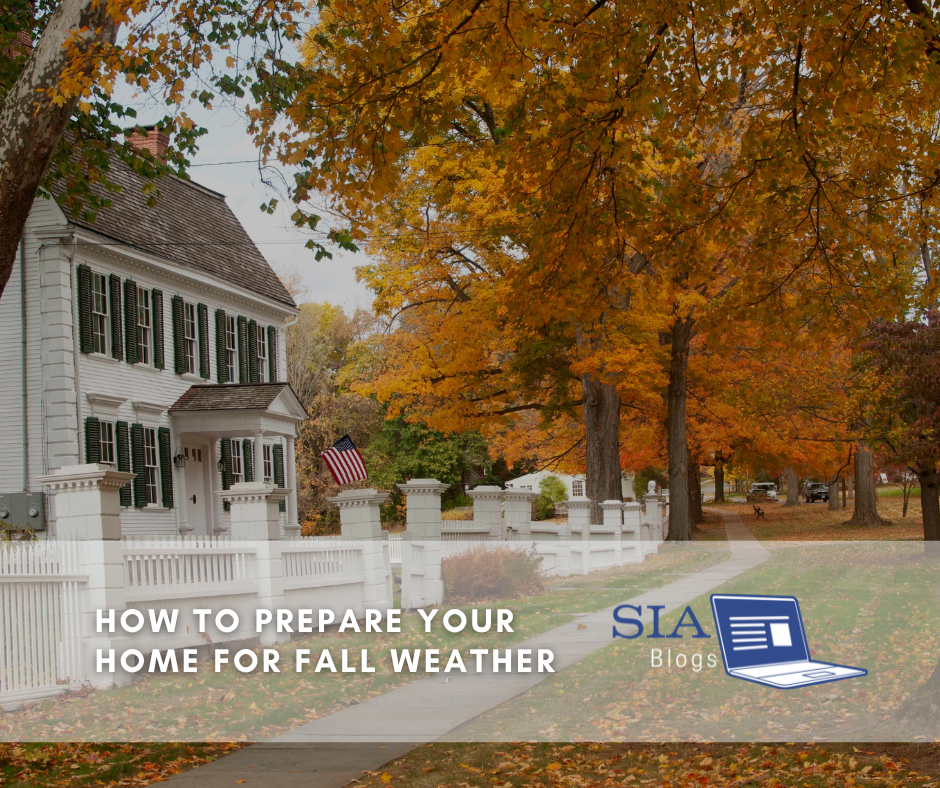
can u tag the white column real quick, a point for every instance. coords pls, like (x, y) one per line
(488, 509)
(579, 521)
(256, 518)
(421, 583)
(361, 521)
(290, 462)
(654, 515)
(519, 512)
(258, 447)
(182, 499)
(88, 511)
(631, 533)
(613, 527)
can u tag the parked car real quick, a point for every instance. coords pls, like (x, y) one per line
(817, 491)
(762, 491)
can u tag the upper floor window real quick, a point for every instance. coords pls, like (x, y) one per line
(262, 354)
(577, 488)
(268, 463)
(151, 468)
(231, 348)
(189, 337)
(238, 473)
(99, 312)
(144, 325)
(106, 432)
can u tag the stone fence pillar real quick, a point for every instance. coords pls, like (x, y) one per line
(654, 517)
(421, 583)
(613, 527)
(519, 512)
(488, 509)
(361, 521)
(631, 531)
(257, 519)
(579, 521)
(88, 512)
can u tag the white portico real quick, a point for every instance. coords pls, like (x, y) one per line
(224, 434)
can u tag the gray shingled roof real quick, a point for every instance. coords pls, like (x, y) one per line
(190, 225)
(227, 396)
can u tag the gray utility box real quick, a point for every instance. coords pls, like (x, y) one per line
(24, 510)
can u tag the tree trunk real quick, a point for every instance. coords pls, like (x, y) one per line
(845, 502)
(793, 487)
(930, 504)
(920, 713)
(866, 504)
(719, 481)
(695, 493)
(680, 518)
(602, 433)
(834, 496)
(32, 123)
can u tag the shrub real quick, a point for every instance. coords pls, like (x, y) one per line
(552, 490)
(482, 574)
(457, 514)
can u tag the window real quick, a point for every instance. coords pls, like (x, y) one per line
(268, 463)
(189, 337)
(237, 467)
(99, 312)
(144, 325)
(577, 488)
(106, 429)
(151, 479)
(262, 355)
(231, 349)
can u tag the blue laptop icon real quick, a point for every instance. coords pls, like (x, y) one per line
(763, 640)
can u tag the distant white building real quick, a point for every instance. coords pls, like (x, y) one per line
(576, 485)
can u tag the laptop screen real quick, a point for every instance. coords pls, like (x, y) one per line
(759, 630)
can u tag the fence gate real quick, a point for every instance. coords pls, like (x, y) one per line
(40, 620)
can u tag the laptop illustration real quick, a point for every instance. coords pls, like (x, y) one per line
(763, 640)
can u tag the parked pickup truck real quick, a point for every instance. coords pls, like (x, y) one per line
(762, 491)
(817, 491)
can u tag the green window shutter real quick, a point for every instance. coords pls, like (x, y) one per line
(156, 305)
(86, 340)
(242, 349)
(92, 440)
(221, 357)
(225, 451)
(272, 354)
(179, 354)
(166, 466)
(131, 351)
(138, 463)
(117, 333)
(202, 319)
(248, 459)
(123, 459)
(225, 447)
(252, 351)
(278, 456)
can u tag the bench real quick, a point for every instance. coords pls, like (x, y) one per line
(759, 512)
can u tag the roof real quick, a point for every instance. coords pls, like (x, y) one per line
(190, 225)
(232, 396)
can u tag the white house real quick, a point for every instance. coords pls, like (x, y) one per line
(576, 485)
(151, 339)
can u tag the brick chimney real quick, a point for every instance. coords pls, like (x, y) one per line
(151, 139)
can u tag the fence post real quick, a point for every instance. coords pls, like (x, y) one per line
(654, 515)
(631, 531)
(360, 518)
(519, 512)
(613, 520)
(579, 521)
(256, 519)
(88, 511)
(488, 509)
(421, 552)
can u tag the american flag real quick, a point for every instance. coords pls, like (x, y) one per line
(345, 462)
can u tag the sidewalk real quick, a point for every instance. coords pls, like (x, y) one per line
(331, 751)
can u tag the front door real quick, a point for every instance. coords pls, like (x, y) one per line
(196, 503)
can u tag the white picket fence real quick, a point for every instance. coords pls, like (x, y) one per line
(40, 619)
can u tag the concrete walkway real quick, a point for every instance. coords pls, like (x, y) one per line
(329, 752)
